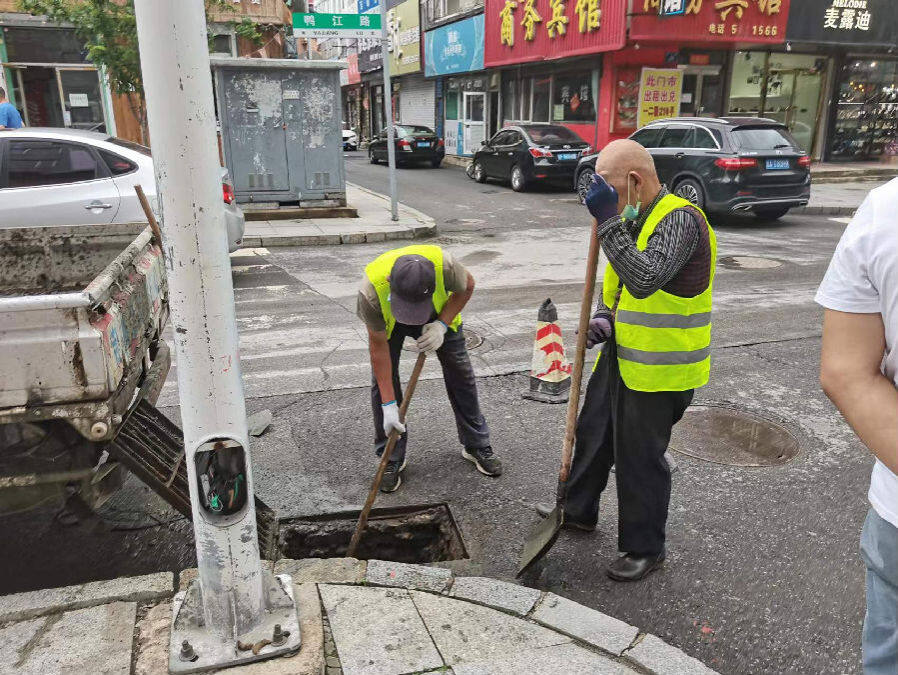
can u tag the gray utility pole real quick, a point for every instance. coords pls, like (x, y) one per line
(388, 110)
(233, 602)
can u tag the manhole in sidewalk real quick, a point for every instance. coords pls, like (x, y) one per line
(473, 340)
(734, 437)
(747, 262)
(410, 534)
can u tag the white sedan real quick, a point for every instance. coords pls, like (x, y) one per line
(74, 177)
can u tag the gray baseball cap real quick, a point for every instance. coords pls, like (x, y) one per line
(412, 283)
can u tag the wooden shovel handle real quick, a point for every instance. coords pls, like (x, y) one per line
(573, 404)
(385, 457)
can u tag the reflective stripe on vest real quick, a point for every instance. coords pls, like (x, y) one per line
(378, 272)
(663, 341)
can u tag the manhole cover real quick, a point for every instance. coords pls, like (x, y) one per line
(473, 340)
(490, 192)
(735, 437)
(747, 262)
(411, 534)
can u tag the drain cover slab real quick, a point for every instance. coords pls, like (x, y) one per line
(747, 262)
(734, 437)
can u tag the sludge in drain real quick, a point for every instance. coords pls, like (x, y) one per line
(735, 437)
(409, 534)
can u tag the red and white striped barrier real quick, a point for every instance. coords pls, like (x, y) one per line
(550, 372)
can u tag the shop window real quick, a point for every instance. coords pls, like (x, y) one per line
(441, 9)
(541, 99)
(574, 98)
(451, 103)
(509, 99)
(746, 83)
(866, 124)
(43, 45)
(626, 96)
(524, 112)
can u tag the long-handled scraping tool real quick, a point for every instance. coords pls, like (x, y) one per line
(543, 536)
(385, 457)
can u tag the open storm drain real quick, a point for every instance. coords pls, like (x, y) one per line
(734, 437)
(410, 534)
(473, 340)
(747, 262)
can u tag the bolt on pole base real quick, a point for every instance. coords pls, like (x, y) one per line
(195, 649)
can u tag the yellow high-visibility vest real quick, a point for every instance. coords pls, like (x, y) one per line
(378, 271)
(663, 341)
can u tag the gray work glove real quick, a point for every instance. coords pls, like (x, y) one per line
(600, 328)
(432, 336)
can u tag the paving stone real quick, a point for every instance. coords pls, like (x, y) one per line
(372, 237)
(378, 631)
(323, 570)
(402, 575)
(353, 238)
(664, 659)
(469, 633)
(567, 659)
(154, 634)
(584, 623)
(51, 600)
(497, 594)
(95, 640)
(400, 234)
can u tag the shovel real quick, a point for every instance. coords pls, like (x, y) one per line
(543, 536)
(385, 457)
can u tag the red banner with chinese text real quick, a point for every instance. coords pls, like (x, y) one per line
(522, 31)
(353, 75)
(710, 20)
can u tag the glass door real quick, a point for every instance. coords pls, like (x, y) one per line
(702, 93)
(82, 102)
(474, 103)
(792, 98)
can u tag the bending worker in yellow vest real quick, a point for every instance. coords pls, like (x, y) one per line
(419, 292)
(655, 321)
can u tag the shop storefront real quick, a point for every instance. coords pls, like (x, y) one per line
(860, 40)
(549, 57)
(465, 103)
(50, 81)
(352, 95)
(696, 39)
(414, 98)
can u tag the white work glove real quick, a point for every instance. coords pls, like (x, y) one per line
(391, 418)
(432, 336)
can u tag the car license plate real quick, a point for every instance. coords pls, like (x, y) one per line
(423, 144)
(777, 164)
(564, 156)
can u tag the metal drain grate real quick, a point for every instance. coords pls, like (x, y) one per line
(733, 437)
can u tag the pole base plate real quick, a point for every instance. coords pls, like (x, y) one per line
(209, 651)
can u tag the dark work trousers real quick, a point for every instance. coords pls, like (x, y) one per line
(631, 430)
(458, 375)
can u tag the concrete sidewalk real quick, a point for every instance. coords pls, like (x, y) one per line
(372, 225)
(356, 618)
(836, 199)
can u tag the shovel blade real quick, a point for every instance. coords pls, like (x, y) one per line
(541, 539)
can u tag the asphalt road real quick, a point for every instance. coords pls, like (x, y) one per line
(763, 574)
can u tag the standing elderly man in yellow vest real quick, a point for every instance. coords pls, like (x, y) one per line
(655, 321)
(419, 292)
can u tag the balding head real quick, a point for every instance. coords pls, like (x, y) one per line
(627, 166)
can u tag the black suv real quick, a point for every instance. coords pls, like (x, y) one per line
(724, 164)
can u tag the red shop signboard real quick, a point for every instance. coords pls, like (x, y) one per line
(522, 31)
(761, 21)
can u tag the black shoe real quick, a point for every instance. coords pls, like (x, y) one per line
(632, 567)
(544, 509)
(487, 463)
(392, 478)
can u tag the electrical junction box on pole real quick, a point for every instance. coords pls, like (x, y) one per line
(281, 129)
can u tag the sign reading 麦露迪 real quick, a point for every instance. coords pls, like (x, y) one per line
(336, 25)
(858, 22)
(659, 94)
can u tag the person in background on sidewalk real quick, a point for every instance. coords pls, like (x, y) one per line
(9, 116)
(419, 292)
(655, 321)
(859, 373)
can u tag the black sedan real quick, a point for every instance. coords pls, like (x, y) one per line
(413, 143)
(528, 153)
(725, 164)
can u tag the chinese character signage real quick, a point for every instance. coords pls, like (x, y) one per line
(760, 21)
(352, 72)
(336, 25)
(520, 31)
(454, 48)
(365, 6)
(848, 22)
(659, 95)
(405, 38)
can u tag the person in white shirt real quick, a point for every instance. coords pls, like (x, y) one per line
(859, 373)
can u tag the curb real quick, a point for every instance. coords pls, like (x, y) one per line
(823, 211)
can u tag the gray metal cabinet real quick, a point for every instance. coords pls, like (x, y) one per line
(281, 129)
